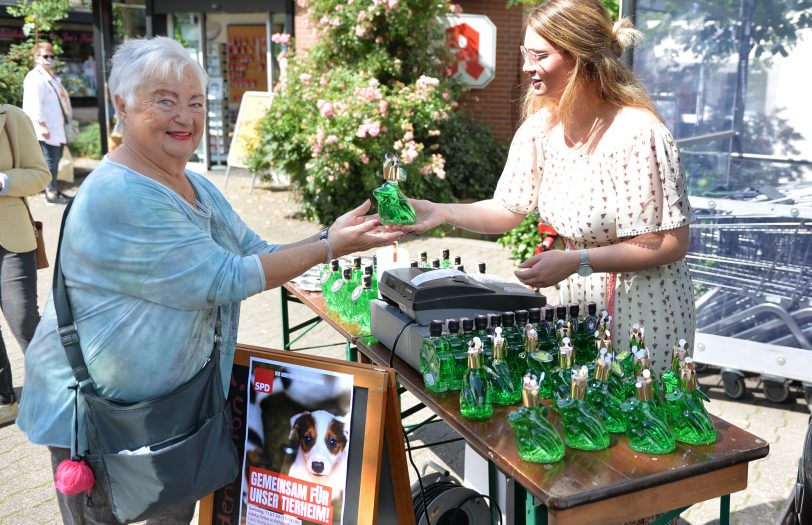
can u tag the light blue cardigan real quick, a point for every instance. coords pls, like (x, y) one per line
(144, 271)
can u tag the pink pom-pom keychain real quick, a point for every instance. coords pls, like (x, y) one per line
(73, 476)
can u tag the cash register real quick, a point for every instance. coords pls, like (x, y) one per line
(412, 297)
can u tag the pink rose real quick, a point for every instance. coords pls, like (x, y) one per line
(331, 139)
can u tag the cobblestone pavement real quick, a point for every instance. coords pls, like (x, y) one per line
(26, 488)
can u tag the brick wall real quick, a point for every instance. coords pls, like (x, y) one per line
(498, 104)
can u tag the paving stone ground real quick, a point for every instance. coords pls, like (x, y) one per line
(26, 488)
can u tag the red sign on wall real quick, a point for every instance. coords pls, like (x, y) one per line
(472, 39)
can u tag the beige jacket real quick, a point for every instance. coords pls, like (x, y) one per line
(21, 160)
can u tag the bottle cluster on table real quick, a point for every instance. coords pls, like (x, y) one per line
(348, 291)
(565, 357)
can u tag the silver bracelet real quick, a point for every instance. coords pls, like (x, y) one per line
(326, 244)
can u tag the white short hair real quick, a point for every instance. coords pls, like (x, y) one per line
(139, 61)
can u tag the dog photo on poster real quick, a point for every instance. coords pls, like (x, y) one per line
(296, 445)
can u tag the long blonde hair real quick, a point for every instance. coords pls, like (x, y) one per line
(583, 30)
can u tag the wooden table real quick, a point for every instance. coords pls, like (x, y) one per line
(609, 486)
(293, 293)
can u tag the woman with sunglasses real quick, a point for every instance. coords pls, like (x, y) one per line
(597, 161)
(47, 104)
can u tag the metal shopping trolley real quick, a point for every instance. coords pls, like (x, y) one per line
(752, 267)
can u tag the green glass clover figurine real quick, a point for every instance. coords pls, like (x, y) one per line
(393, 206)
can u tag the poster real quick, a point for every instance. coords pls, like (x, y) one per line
(296, 445)
(253, 107)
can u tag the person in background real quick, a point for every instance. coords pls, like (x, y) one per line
(150, 253)
(22, 173)
(597, 161)
(47, 104)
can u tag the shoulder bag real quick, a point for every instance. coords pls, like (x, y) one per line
(42, 257)
(157, 453)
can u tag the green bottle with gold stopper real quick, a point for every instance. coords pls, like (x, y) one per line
(536, 439)
(646, 422)
(561, 376)
(475, 394)
(393, 206)
(686, 410)
(602, 399)
(436, 362)
(539, 362)
(583, 427)
(671, 377)
(500, 376)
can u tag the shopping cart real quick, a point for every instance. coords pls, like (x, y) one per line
(753, 275)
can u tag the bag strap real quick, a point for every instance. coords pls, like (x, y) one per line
(59, 98)
(66, 327)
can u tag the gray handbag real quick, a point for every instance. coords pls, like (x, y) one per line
(154, 454)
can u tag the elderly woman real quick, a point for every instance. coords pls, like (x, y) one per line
(149, 251)
(596, 160)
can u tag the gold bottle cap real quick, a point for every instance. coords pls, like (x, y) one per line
(687, 375)
(642, 361)
(565, 352)
(531, 339)
(473, 357)
(643, 387)
(603, 367)
(530, 391)
(498, 344)
(579, 383)
(391, 169)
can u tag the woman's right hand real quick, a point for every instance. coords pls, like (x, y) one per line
(355, 232)
(429, 215)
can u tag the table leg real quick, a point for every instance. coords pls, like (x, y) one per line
(285, 320)
(351, 353)
(724, 510)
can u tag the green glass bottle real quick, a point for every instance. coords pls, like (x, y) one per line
(361, 298)
(375, 274)
(357, 272)
(424, 260)
(670, 377)
(686, 410)
(583, 427)
(455, 343)
(646, 422)
(475, 395)
(602, 399)
(561, 326)
(340, 292)
(536, 439)
(584, 328)
(393, 206)
(328, 278)
(515, 345)
(539, 362)
(642, 361)
(561, 377)
(503, 387)
(481, 331)
(446, 262)
(458, 262)
(436, 364)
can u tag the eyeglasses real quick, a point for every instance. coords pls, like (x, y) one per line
(534, 58)
(48, 56)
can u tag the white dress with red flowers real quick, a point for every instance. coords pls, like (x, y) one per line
(633, 184)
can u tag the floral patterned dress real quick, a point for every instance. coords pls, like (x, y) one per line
(633, 184)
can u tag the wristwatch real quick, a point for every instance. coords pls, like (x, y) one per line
(323, 233)
(584, 270)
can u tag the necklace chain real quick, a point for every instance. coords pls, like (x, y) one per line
(168, 180)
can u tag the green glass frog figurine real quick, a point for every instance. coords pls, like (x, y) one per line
(686, 410)
(393, 207)
(670, 377)
(536, 439)
(646, 422)
(475, 395)
(603, 400)
(583, 427)
(500, 376)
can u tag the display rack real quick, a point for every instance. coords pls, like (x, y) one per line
(217, 103)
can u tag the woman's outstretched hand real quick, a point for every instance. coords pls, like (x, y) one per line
(356, 232)
(429, 215)
(548, 268)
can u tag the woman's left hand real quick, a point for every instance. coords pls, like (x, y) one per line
(548, 268)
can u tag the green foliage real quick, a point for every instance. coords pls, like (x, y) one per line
(40, 16)
(88, 143)
(11, 84)
(523, 239)
(374, 84)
